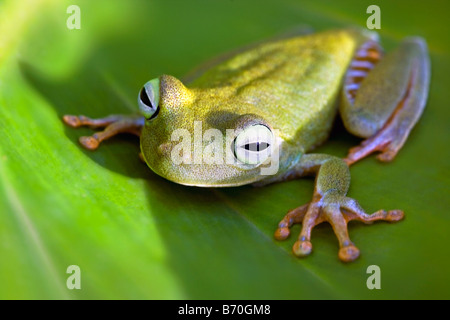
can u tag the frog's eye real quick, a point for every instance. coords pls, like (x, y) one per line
(149, 99)
(254, 144)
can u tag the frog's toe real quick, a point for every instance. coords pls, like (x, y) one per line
(302, 248)
(394, 215)
(368, 146)
(334, 216)
(72, 121)
(113, 125)
(353, 211)
(387, 156)
(309, 215)
(282, 233)
(348, 253)
(89, 142)
(292, 217)
(387, 141)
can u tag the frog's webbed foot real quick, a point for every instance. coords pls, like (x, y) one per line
(392, 136)
(388, 141)
(113, 125)
(382, 101)
(337, 210)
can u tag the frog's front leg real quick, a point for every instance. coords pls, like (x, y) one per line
(383, 98)
(113, 125)
(329, 203)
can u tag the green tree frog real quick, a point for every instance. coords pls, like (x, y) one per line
(289, 89)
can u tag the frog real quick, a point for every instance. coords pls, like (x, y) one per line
(279, 99)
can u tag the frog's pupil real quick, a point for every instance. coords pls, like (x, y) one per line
(256, 146)
(145, 99)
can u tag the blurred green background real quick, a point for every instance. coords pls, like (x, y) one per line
(137, 236)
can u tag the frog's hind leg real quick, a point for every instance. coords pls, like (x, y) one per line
(113, 125)
(383, 99)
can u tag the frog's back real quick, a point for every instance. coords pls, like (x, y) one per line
(292, 83)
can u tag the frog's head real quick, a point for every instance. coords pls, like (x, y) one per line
(195, 137)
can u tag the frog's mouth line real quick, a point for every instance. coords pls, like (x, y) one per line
(209, 178)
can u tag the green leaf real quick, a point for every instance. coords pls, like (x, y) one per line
(135, 235)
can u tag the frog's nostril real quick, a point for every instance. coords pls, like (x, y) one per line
(164, 149)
